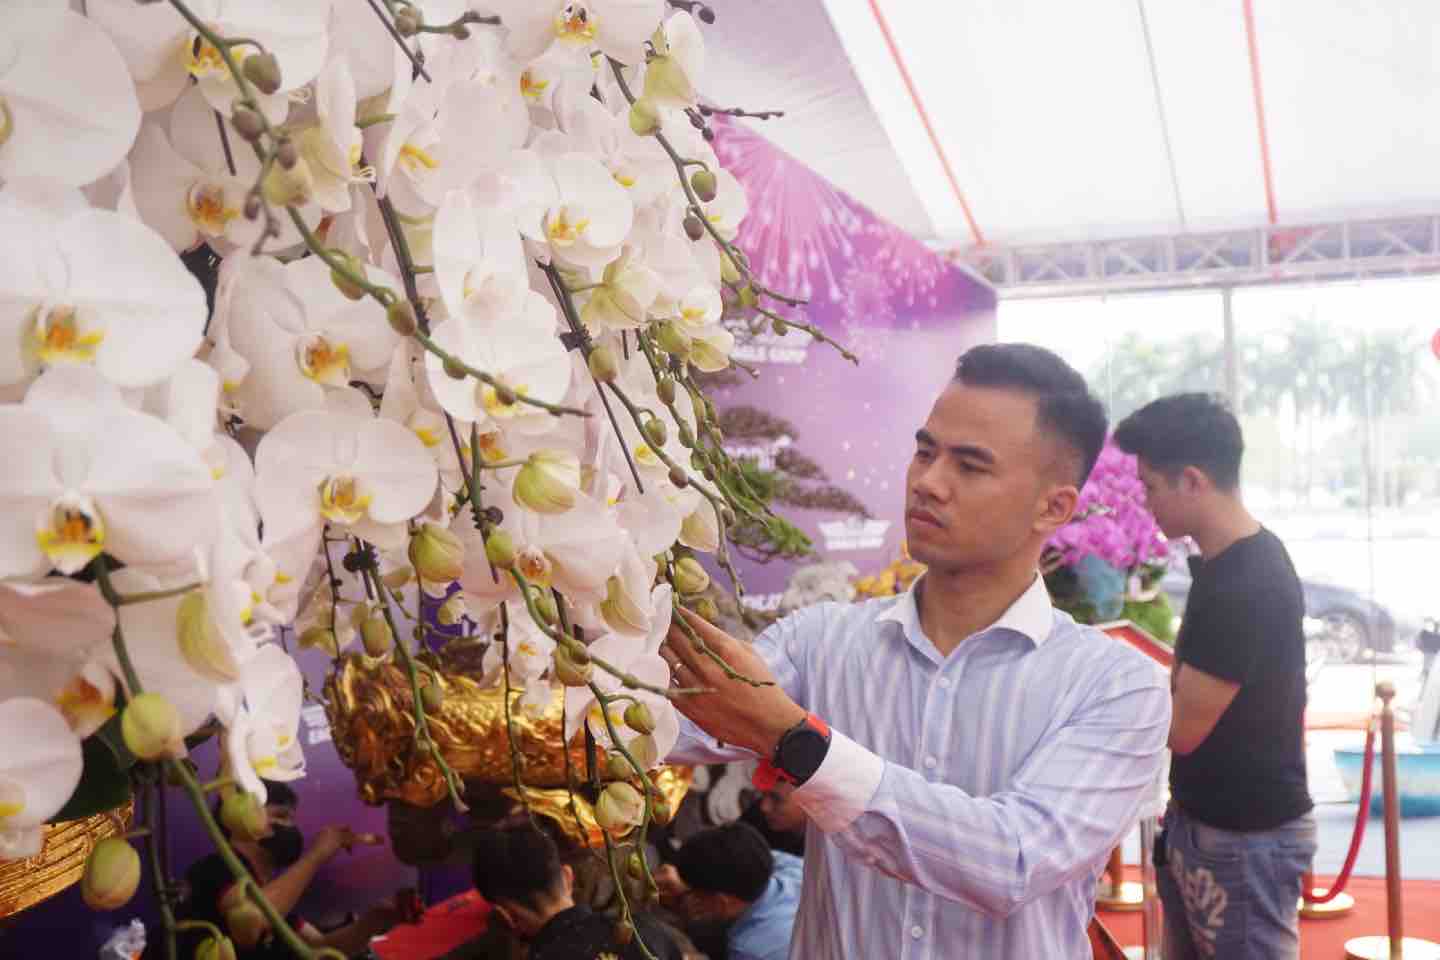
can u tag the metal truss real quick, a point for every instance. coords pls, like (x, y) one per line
(1334, 251)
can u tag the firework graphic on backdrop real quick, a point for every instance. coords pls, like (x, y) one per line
(807, 237)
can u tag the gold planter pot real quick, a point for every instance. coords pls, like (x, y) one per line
(31, 880)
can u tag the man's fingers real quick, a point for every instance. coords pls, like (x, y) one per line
(710, 633)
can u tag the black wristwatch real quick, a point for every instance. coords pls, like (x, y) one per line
(802, 749)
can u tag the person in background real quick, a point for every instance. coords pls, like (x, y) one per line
(779, 818)
(1239, 833)
(284, 867)
(731, 876)
(518, 871)
(967, 755)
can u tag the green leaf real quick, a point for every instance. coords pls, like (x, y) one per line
(104, 784)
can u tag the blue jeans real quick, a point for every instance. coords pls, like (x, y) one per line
(1233, 896)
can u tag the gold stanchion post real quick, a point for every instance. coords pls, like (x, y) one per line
(1394, 946)
(1119, 894)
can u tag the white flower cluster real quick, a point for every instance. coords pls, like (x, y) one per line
(421, 245)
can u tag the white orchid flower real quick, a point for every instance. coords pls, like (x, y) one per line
(95, 288)
(262, 739)
(639, 164)
(586, 215)
(530, 652)
(617, 28)
(409, 402)
(623, 299)
(333, 146)
(68, 111)
(641, 658)
(729, 207)
(710, 348)
(674, 74)
(39, 771)
(575, 551)
(365, 476)
(299, 336)
(86, 477)
(50, 631)
(524, 355)
(480, 265)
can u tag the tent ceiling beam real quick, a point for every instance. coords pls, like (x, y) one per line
(1268, 255)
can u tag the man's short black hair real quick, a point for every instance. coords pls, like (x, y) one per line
(733, 859)
(277, 794)
(518, 863)
(1067, 408)
(1186, 430)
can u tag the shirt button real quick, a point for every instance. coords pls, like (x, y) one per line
(944, 683)
(917, 932)
(930, 763)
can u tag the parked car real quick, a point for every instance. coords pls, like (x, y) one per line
(1347, 624)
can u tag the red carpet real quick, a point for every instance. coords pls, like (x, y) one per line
(1325, 939)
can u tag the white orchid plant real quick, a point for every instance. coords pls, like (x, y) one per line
(471, 258)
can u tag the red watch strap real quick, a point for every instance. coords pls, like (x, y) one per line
(768, 773)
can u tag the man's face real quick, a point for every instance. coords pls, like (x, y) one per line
(982, 484)
(1167, 500)
(782, 813)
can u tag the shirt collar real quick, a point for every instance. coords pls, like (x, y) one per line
(1031, 615)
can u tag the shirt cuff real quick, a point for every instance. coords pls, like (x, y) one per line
(844, 785)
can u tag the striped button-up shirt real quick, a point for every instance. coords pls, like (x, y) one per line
(968, 802)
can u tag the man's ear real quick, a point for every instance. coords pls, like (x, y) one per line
(1056, 508)
(508, 915)
(1193, 480)
(567, 873)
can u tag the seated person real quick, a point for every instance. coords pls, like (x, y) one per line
(531, 893)
(779, 819)
(730, 874)
(284, 868)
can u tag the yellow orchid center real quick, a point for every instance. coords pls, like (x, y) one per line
(694, 316)
(624, 179)
(527, 649)
(209, 209)
(71, 533)
(575, 25)
(563, 231)
(535, 566)
(56, 335)
(414, 159)
(645, 455)
(341, 499)
(264, 764)
(83, 704)
(7, 122)
(492, 447)
(12, 799)
(530, 87)
(428, 436)
(323, 361)
(597, 716)
(359, 169)
(203, 59)
(496, 406)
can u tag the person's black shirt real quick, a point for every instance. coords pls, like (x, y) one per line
(581, 934)
(1243, 623)
(207, 881)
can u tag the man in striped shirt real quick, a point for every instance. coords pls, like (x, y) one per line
(967, 755)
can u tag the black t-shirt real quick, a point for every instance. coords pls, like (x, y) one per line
(581, 934)
(208, 880)
(1243, 624)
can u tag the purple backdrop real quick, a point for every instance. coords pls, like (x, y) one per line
(906, 312)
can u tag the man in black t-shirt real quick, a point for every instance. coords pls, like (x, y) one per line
(1239, 833)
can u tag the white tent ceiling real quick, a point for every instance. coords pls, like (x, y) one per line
(1065, 121)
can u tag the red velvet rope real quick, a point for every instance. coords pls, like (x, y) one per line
(1362, 815)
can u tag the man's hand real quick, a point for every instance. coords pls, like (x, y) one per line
(331, 840)
(735, 712)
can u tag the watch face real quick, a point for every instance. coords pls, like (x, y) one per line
(802, 751)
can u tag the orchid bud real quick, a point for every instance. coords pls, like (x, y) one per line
(665, 390)
(500, 549)
(728, 516)
(619, 808)
(672, 339)
(548, 482)
(432, 698)
(698, 461)
(452, 611)
(216, 948)
(624, 933)
(645, 750)
(150, 727)
(320, 637)
(246, 924)
(644, 118)
(704, 608)
(685, 435)
(679, 477)
(251, 209)
(639, 718)
(505, 395)
(694, 229)
(460, 32)
(779, 326)
(407, 21)
(704, 184)
(376, 636)
(690, 577)
(292, 186)
(111, 874)
(661, 813)
(348, 287)
(437, 554)
(603, 365)
(454, 369)
(617, 767)
(729, 272)
(635, 866)
(748, 297)
(263, 70)
(287, 154)
(401, 317)
(655, 432)
(243, 815)
(247, 123)
(545, 606)
(711, 413)
(568, 670)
